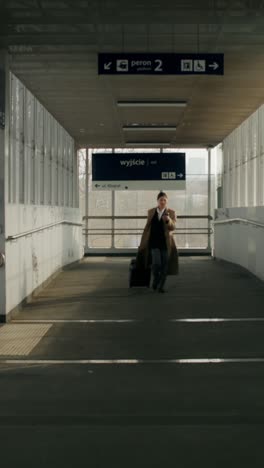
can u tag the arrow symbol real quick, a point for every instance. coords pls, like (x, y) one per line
(214, 65)
(107, 66)
(180, 175)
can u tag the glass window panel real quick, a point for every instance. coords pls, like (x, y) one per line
(191, 234)
(191, 201)
(100, 237)
(100, 203)
(128, 233)
(82, 180)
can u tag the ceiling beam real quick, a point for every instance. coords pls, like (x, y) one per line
(68, 20)
(90, 40)
(172, 15)
(49, 39)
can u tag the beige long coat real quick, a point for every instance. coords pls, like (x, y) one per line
(144, 254)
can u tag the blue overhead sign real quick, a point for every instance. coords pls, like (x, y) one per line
(160, 64)
(138, 171)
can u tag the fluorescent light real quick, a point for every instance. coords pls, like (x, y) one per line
(150, 143)
(149, 128)
(152, 103)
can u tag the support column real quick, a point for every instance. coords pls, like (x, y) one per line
(86, 199)
(113, 220)
(113, 217)
(4, 144)
(209, 198)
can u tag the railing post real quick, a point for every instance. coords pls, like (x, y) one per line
(209, 199)
(86, 198)
(113, 218)
(113, 221)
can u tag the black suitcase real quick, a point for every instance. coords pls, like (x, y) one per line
(138, 277)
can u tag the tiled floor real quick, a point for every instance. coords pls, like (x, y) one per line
(112, 376)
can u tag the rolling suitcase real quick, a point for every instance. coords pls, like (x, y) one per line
(138, 277)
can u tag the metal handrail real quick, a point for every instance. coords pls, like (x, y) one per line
(144, 217)
(112, 230)
(136, 229)
(239, 220)
(140, 233)
(43, 228)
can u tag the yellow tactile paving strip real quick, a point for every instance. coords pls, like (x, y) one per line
(20, 340)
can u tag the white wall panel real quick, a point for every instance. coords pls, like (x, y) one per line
(243, 163)
(260, 180)
(32, 259)
(41, 153)
(237, 242)
(54, 161)
(12, 145)
(241, 243)
(67, 157)
(261, 127)
(47, 159)
(41, 174)
(60, 166)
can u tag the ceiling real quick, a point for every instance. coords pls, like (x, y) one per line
(53, 47)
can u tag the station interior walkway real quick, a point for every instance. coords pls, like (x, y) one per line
(92, 373)
(102, 375)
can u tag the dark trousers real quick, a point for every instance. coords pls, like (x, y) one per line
(160, 262)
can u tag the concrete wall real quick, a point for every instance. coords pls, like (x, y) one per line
(243, 196)
(3, 175)
(243, 163)
(41, 190)
(34, 258)
(241, 243)
(2, 219)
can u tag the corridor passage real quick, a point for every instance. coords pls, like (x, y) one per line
(93, 373)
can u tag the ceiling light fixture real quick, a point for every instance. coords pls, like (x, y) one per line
(148, 143)
(151, 103)
(149, 128)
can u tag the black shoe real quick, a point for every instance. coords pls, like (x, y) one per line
(162, 290)
(154, 287)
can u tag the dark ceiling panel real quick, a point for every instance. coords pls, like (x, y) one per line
(53, 48)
